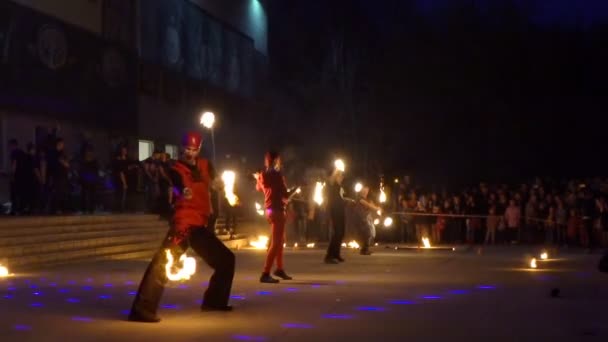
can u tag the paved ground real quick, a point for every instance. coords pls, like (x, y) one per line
(389, 296)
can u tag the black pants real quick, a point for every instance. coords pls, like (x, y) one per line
(204, 242)
(335, 242)
(89, 197)
(60, 195)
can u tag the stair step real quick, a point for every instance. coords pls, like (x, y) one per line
(13, 252)
(80, 235)
(34, 221)
(78, 228)
(76, 255)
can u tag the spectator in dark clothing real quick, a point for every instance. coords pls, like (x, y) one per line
(28, 180)
(41, 170)
(15, 184)
(120, 166)
(336, 207)
(59, 168)
(89, 178)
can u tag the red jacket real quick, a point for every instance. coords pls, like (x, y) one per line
(272, 184)
(191, 193)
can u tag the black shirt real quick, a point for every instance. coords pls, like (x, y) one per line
(335, 202)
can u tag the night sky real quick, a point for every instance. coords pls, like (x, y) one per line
(449, 91)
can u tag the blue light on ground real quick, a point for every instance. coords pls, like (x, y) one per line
(132, 293)
(105, 297)
(264, 293)
(125, 312)
(12, 288)
(36, 305)
(371, 308)
(36, 293)
(8, 296)
(73, 300)
(238, 297)
(431, 297)
(82, 319)
(459, 292)
(33, 286)
(315, 286)
(296, 326)
(248, 338)
(63, 290)
(401, 302)
(169, 306)
(291, 289)
(334, 316)
(22, 327)
(486, 287)
(87, 288)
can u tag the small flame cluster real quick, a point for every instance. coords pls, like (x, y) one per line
(260, 243)
(534, 262)
(352, 244)
(176, 273)
(426, 242)
(258, 209)
(318, 194)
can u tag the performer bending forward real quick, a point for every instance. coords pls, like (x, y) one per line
(272, 183)
(191, 177)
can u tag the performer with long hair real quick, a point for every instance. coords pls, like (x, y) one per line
(272, 183)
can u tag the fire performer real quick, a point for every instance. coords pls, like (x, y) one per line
(192, 178)
(337, 206)
(276, 196)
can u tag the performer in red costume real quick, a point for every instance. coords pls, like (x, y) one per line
(272, 183)
(192, 178)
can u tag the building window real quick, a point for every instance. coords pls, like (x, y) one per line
(146, 148)
(172, 150)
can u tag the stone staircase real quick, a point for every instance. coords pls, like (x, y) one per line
(34, 242)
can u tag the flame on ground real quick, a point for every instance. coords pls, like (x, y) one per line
(3, 271)
(544, 256)
(533, 263)
(310, 245)
(426, 242)
(185, 272)
(353, 244)
(260, 243)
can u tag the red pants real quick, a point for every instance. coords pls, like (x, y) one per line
(275, 250)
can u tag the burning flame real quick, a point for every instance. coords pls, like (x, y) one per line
(533, 263)
(426, 242)
(382, 197)
(358, 187)
(376, 222)
(339, 165)
(353, 244)
(310, 245)
(260, 243)
(3, 271)
(258, 209)
(388, 222)
(318, 194)
(343, 244)
(229, 177)
(295, 245)
(184, 273)
(544, 256)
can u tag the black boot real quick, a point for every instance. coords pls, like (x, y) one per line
(144, 317)
(266, 278)
(281, 274)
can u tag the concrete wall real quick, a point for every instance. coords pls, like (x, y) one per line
(248, 16)
(86, 14)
